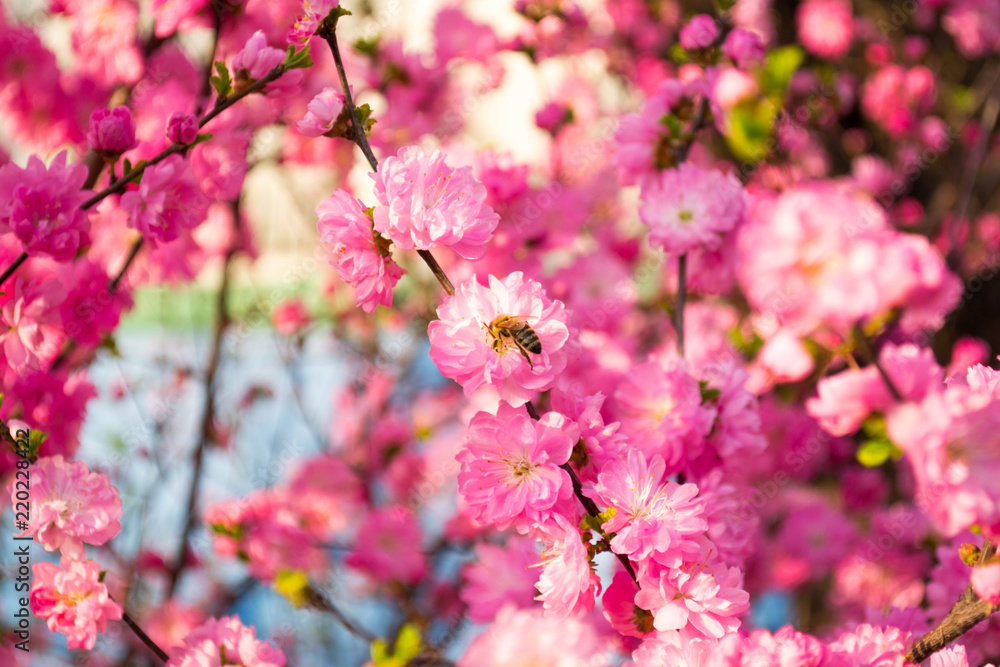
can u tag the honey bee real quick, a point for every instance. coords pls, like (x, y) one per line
(505, 327)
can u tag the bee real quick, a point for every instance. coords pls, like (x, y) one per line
(505, 327)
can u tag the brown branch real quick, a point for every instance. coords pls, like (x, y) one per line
(134, 627)
(968, 612)
(9, 271)
(679, 303)
(208, 410)
(866, 348)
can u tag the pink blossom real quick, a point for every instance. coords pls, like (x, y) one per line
(526, 637)
(323, 111)
(785, 358)
(846, 399)
(654, 517)
(89, 312)
(601, 442)
(112, 131)
(327, 493)
(568, 583)
(167, 202)
(826, 27)
(690, 207)
(290, 317)
(169, 623)
(313, 11)
(71, 505)
(256, 59)
(173, 14)
(510, 466)
(870, 646)
(897, 98)
(699, 33)
(730, 86)
(745, 48)
(229, 640)
(696, 599)
(41, 207)
(388, 547)
(951, 656)
(30, 337)
(464, 349)
(360, 255)
(182, 128)
(500, 575)
(975, 25)
(986, 582)
(425, 203)
(660, 408)
(620, 609)
(72, 600)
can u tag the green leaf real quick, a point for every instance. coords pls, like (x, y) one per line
(297, 59)
(368, 47)
(750, 127)
(222, 83)
(200, 139)
(779, 67)
(874, 453)
(35, 441)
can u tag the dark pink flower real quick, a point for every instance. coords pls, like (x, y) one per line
(112, 131)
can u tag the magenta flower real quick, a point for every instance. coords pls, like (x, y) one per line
(112, 131)
(167, 202)
(870, 646)
(256, 59)
(500, 575)
(322, 113)
(360, 255)
(72, 600)
(229, 640)
(42, 207)
(689, 207)
(30, 331)
(425, 203)
(464, 349)
(71, 505)
(510, 467)
(182, 128)
(653, 517)
(388, 547)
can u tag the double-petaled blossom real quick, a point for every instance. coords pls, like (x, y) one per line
(473, 343)
(41, 207)
(360, 255)
(568, 582)
(425, 203)
(388, 547)
(167, 202)
(72, 600)
(689, 207)
(322, 113)
(870, 646)
(70, 506)
(500, 576)
(654, 517)
(225, 641)
(510, 467)
(660, 407)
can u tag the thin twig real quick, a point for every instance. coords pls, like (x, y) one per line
(160, 653)
(866, 348)
(679, 304)
(318, 600)
(208, 409)
(329, 33)
(13, 267)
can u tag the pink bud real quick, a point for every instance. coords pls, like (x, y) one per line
(182, 128)
(112, 131)
(699, 33)
(743, 47)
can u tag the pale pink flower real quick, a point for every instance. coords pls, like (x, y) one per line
(500, 575)
(256, 58)
(696, 599)
(690, 207)
(660, 407)
(510, 466)
(313, 11)
(785, 648)
(72, 600)
(112, 131)
(568, 583)
(986, 582)
(425, 203)
(169, 623)
(661, 649)
(225, 641)
(31, 335)
(699, 32)
(71, 505)
(527, 637)
(601, 442)
(654, 517)
(327, 493)
(167, 202)
(388, 547)
(290, 317)
(846, 399)
(41, 206)
(464, 349)
(360, 255)
(322, 113)
(975, 25)
(951, 656)
(871, 646)
(826, 27)
(182, 128)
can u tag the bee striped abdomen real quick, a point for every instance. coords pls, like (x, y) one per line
(517, 330)
(529, 340)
